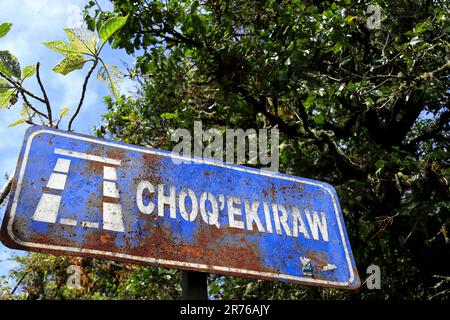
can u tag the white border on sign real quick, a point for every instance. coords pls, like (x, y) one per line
(164, 261)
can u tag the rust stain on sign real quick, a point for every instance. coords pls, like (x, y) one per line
(78, 195)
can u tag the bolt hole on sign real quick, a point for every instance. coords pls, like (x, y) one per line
(78, 195)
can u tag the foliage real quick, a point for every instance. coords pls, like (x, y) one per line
(83, 46)
(363, 109)
(45, 277)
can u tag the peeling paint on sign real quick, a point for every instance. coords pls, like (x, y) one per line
(79, 195)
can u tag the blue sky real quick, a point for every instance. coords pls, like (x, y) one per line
(34, 22)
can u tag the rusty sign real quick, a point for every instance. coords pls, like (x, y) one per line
(79, 195)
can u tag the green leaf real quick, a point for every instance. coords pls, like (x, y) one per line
(5, 98)
(70, 63)
(61, 46)
(168, 115)
(111, 26)
(82, 41)
(319, 119)
(9, 64)
(379, 165)
(309, 101)
(349, 18)
(4, 85)
(20, 121)
(26, 112)
(64, 112)
(421, 27)
(4, 29)
(111, 75)
(28, 71)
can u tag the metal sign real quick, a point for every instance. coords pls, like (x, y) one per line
(79, 195)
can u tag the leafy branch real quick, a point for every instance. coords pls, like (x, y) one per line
(82, 46)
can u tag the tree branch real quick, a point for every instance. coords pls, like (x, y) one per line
(25, 100)
(83, 93)
(290, 131)
(20, 88)
(5, 190)
(46, 101)
(304, 116)
(344, 163)
(430, 132)
(20, 280)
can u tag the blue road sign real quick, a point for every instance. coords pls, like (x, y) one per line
(79, 195)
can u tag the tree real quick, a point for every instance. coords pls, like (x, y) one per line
(360, 103)
(83, 46)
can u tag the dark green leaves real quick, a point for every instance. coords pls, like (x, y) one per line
(379, 165)
(9, 64)
(319, 119)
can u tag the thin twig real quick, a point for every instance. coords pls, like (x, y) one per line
(25, 100)
(19, 87)
(5, 190)
(20, 280)
(83, 93)
(100, 8)
(47, 102)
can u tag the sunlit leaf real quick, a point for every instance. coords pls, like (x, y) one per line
(111, 26)
(350, 18)
(28, 71)
(61, 46)
(5, 98)
(16, 123)
(4, 29)
(69, 64)
(26, 112)
(64, 112)
(9, 64)
(82, 41)
(113, 77)
(4, 85)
